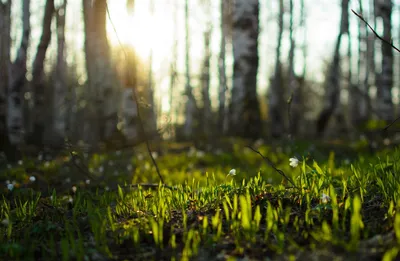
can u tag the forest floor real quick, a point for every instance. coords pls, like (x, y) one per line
(338, 202)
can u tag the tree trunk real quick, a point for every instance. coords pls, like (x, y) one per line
(101, 97)
(384, 90)
(38, 77)
(173, 75)
(206, 114)
(129, 115)
(332, 87)
(61, 101)
(359, 110)
(17, 82)
(294, 91)
(5, 44)
(244, 108)
(190, 107)
(276, 91)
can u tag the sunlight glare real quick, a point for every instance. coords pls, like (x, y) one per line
(141, 30)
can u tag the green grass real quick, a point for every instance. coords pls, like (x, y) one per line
(341, 207)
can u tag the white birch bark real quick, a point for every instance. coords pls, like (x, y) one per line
(245, 118)
(61, 103)
(17, 82)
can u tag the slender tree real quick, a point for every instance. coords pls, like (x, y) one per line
(61, 101)
(294, 88)
(223, 111)
(207, 122)
(38, 76)
(276, 91)
(101, 97)
(172, 72)
(190, 107)
(384, 89)
(5, 44)
(245, 115)
(17, 82)
(332, 83)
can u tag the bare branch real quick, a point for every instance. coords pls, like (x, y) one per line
(376, 34)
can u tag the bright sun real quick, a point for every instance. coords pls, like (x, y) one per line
(142, 30)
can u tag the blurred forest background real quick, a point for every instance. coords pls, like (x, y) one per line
(92, 72)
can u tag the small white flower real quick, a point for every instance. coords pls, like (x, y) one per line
(68, 180)
(10, 187)
(46, 164)
(20, 162)
(325, 198)
(200, 154)
(40, 157)
(111, 163)
(7, 182)
(129, 167)
(118, 152)
(101, 169)
(107, 188)
(8, 166)
(32, 178)
(293, 162)
(87, 181)
(5, 222)
(74, 189)
(140, 157)
(154, 154)
(232, 172)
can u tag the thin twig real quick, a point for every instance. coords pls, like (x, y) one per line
(385, 41)
(376, 34)
(137, 103)
(270, 163)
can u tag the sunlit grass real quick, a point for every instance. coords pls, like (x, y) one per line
(336, 206)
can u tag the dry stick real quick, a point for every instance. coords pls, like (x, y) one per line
(385, 41)
(273, 166)
(137, 103)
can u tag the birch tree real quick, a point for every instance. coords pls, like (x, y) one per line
(61, 101)
(38, 76)
(295, 103)
(332, 83)
(173, 73)
(5, 44)
(190, 106)
(205, 75)
(276, 91)
(17, 82)
(359, 110)
(384, 89)
(223, 110)
(101, 97)
(245, 115)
